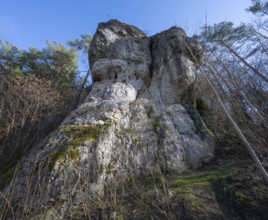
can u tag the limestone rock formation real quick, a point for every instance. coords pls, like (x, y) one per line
(138, 119)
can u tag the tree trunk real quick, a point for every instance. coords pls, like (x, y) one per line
(82, 87)
(245, 62)
(240, 134)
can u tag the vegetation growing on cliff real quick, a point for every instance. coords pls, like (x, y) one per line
(38, 89)
(235, 64)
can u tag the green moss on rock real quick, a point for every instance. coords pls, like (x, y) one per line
(124, 131)
(79, 134)
(85, 132)
(201, 179)
(74, 154)
(157, 124)
(62, 156)
(136, 140)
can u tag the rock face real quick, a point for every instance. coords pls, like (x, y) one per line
(138, 120)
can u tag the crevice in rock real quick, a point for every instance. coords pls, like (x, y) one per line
(152, 61)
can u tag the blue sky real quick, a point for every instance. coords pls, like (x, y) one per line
(29, 23)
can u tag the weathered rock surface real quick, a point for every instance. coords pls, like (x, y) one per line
(137, 120)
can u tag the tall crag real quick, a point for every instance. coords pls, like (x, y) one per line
(138, 120)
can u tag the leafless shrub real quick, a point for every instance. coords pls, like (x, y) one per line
(30, 108)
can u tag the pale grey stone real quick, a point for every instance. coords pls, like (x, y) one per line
(137, 120)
